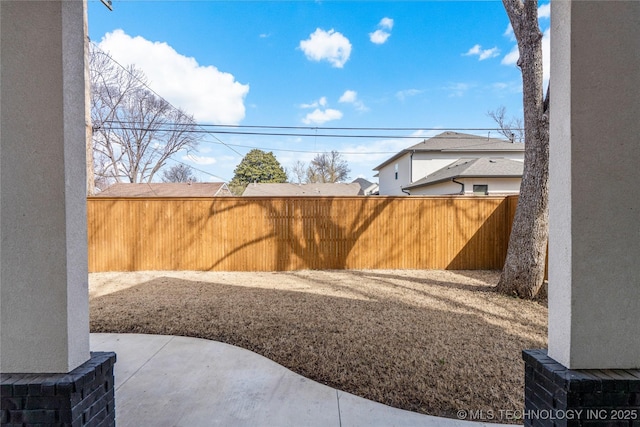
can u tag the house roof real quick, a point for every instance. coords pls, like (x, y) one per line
(473, 168)
(167, 189)
(364, 185)
(287, 189)
(363, 182)
(455, 142)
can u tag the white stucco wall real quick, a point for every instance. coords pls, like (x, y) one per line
(425, 163)
(594, 199)
(439, 189)
(389, 185)
(43, 253)
(497, 186)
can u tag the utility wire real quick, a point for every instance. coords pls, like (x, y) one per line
(305, 135)
(155, 93)
(199, 170)
(212, 132)
(322, 128)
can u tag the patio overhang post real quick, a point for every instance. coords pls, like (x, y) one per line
(590, 373)
(48, 374)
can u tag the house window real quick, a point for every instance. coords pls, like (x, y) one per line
(480, 190)
(396, 171)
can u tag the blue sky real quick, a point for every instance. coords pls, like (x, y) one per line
(423, 65)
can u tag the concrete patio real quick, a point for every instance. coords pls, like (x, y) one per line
(177, 381)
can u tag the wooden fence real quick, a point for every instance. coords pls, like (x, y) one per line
(288, 233)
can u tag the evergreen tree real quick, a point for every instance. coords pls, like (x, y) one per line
(256, 166)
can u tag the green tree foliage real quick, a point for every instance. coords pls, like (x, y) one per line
(256, 166)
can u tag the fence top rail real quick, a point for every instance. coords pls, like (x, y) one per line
(262, 198)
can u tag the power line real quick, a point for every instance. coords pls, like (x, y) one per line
(296, 134)
(368, 153)
(307, 135)
(199, 170)
(322, 128)
(212, 133)
(153, 91)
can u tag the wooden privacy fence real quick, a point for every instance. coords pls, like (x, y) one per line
(288, 233)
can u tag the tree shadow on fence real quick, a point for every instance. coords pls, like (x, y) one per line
(305, 233)
(486, 247)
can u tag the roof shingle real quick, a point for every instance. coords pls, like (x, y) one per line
(167, 189)
(455, 142)
(288, 189)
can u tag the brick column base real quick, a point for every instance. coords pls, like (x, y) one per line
(557, 396)
(83, 397)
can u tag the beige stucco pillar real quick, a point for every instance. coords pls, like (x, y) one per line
(43, 252)
(594, 243)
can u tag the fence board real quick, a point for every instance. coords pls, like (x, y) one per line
(289, 233)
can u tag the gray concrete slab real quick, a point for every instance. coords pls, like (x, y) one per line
(178, 381)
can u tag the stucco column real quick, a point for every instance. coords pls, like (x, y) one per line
(43, 252)
(594, 243)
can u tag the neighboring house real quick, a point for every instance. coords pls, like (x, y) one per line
(287, 189)
(482, 176)
(167, 189)
(367, 188)
(421, 160)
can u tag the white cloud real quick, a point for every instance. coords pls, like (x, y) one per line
(512, 57)
(319, 117)
(329, 46)
(379, 36)
(377, 151)
(509, 33)
(546, 56)
(322, 102)
(404, 94)
(351, 97)
(386, 23)
(457, 89)
(482, 54)
(475, 50)
(180, 79)
(544, 11)
(507, 87)
(200, 160)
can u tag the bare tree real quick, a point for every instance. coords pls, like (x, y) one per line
(179, 173)
(328, 167)
(523, 272)
(298, 172)
(512, 129)
(134, 131)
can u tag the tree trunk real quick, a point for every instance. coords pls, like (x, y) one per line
(523, 272)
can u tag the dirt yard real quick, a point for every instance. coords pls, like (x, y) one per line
(433, 342)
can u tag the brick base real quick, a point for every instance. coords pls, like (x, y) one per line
(557, 396)
(83, 397)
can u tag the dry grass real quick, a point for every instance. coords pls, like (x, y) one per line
(427, 341)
